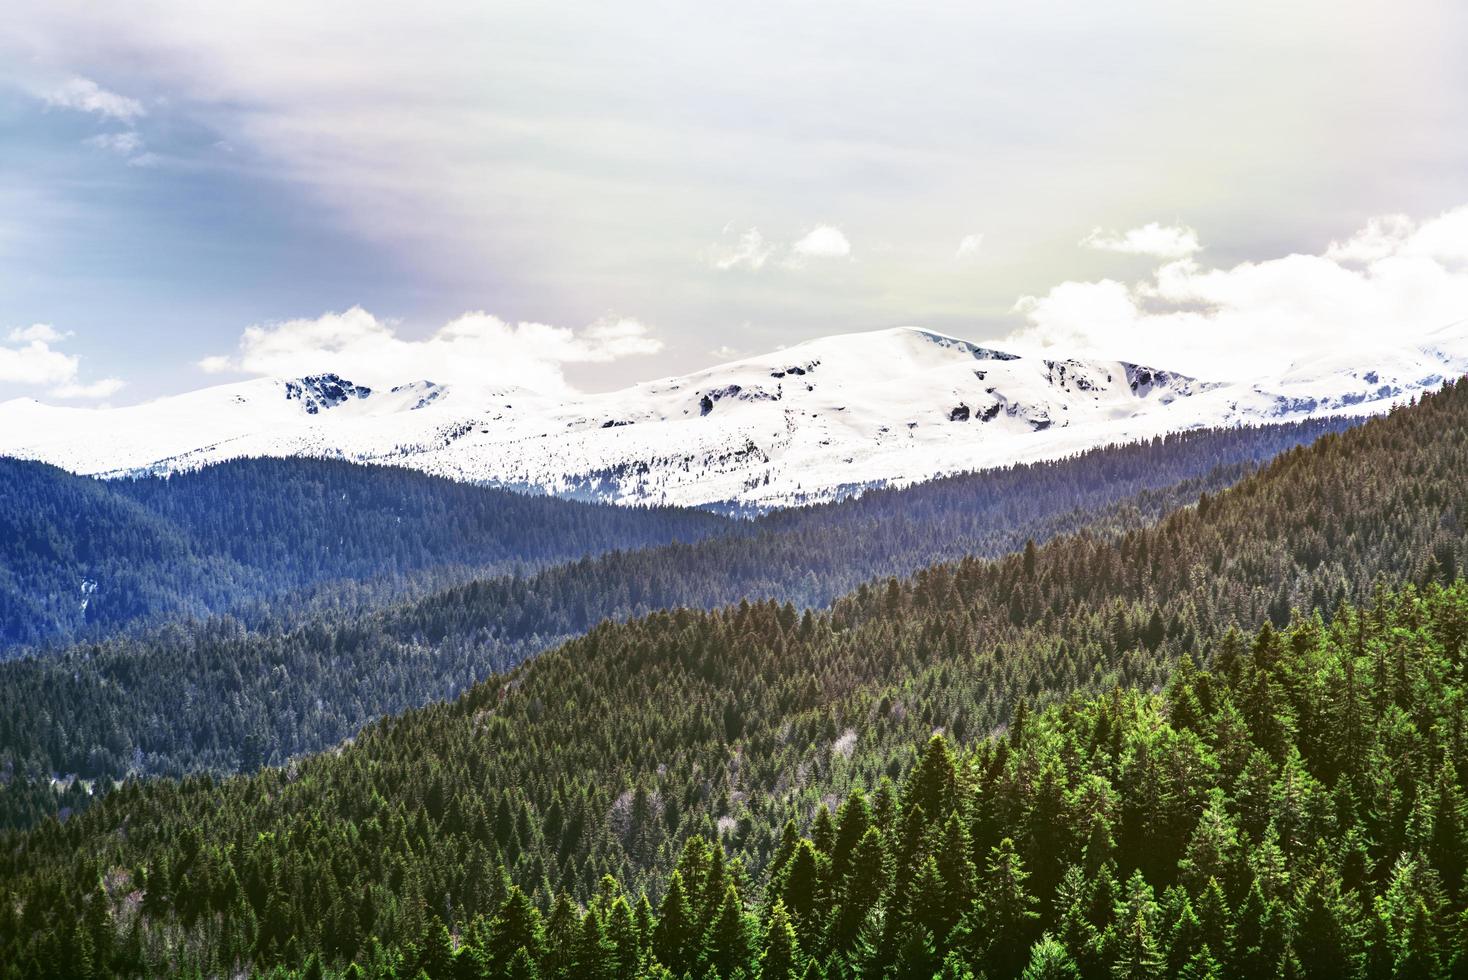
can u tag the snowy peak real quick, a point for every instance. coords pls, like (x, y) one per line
(322, 391)
(811, 422)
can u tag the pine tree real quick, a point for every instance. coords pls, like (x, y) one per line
(1215, 920)
(436, 956)
(99, 925)
(694, 866)
(1327, 930)
(81, 960)
(934, 782)
(960, 879)
(727, 946)
(1201, 966)
(1213, 848)
(853, 820)
(789, 841)
(917, 953)
(515, 927)
(1261, 935)
(1186, 938)
(931, 909)
(781, 951)
(470, 963)
(801, 892)
(1138, 954)
(522, 966)
(1050, 960)
(823, 831)
(1000, 926)
(674, 939)
(1133, 943)
(595, 955)
(953, 968)
(866, 881)
(622, 933)
(1075, 931)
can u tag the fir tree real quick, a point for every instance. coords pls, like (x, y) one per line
(727, 946)
(781, 952)
(515, 927)
(675, 939)
(1050, 960)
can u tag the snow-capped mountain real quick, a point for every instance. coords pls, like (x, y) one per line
(809, 423)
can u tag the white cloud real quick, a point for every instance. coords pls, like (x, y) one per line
(968, 247)
(473, 348)
(85, 95)
(750, 252)
(1444, 238)
(725, 353)
(823, 242)
(35, 362)
(610, 339)
(1393, 280)
(128, 145)
(123, 144)
(1161, 241)
(43, 332)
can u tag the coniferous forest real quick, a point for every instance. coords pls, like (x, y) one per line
(274, 679)
(1210, 726)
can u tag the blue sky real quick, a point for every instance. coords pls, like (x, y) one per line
(195, 193)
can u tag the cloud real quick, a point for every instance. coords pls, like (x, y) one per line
(1161, 241)
(822, 242)
(1444, 239)
(123, 144)
(725, 353)
(751, 252)
(85, 95)
(475, 348)
(1392, 281)
(35, 362)
(128, 145)
(611, 339)
(968, 247)
(43, 332)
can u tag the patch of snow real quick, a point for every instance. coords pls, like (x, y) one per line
(806, 424)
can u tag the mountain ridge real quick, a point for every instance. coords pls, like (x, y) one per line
(817, 421)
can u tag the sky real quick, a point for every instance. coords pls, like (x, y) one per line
(579, 196)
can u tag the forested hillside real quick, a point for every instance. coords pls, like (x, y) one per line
(1295, 809)
(82, 557)
(224, 694)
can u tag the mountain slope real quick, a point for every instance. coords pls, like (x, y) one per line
(220, 695)
(815, 422)
(606, 756)
(80, 557)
